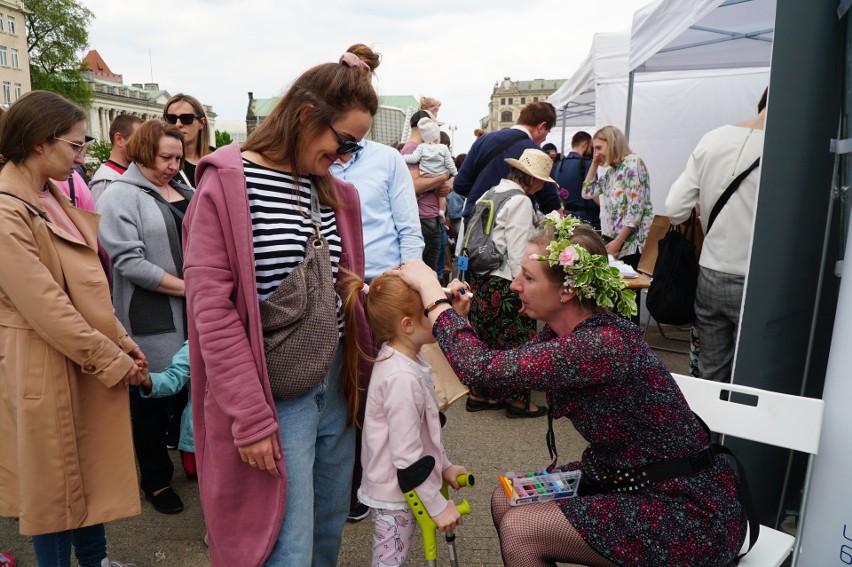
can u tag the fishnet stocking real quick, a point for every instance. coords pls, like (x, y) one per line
(539, 535)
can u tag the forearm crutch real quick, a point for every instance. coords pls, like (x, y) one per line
(412, 477)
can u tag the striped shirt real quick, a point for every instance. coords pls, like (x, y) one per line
(281, 225)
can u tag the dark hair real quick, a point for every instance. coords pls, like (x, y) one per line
(522, 178)
(202, 142)
(415, 118)
(459, 160)
(36, 117)
(580, 137)
(123, 124)
(535, 113)
(332, 89)
(445, 138)
(144, 144)
(587, 238)
(762, 103)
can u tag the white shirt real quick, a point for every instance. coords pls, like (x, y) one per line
(720, 156)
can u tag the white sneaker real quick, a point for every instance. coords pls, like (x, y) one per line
(105, 562)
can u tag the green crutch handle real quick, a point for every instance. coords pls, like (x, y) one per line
(428, 528)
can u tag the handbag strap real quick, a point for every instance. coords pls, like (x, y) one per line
(29, 205)
(735, 184)
(316, 218)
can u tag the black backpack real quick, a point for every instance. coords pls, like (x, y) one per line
(671, 297)
(478, 246)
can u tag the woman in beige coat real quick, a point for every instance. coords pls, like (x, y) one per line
(65, 361)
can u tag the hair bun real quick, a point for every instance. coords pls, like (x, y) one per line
(365, 54)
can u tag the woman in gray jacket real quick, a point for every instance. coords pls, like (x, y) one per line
(140, 229)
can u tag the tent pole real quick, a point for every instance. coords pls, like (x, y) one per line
(630, 79)
(564, 117)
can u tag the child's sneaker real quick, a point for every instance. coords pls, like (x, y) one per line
(6, 559)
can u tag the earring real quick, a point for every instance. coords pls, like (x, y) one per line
(562, 300)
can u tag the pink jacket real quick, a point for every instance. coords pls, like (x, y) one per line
(231, 400)
(401, 426)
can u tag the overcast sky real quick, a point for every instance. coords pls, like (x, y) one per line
(219, 50)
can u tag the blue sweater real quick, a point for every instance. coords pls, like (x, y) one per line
(474, 186)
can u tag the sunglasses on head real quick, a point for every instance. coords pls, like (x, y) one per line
(185, 119)
(346, 146)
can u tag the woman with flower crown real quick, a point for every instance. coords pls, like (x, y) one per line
(653, 491)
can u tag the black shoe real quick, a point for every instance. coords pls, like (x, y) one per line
(513, 412)
(165, 502)
(358, 513)
(479, 405)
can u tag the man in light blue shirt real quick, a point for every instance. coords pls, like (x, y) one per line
(389, 212)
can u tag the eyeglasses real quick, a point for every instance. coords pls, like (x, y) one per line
(346, 146)
(185, 119)
(78, 147)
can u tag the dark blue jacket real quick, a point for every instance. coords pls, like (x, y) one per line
(570, 173)
(474, 186)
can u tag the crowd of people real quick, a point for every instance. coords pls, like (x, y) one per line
(262, 308)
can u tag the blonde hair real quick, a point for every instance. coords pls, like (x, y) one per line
(427, 102)
(616, 144)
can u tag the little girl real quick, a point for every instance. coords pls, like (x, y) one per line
(167, 383)
(401, 424)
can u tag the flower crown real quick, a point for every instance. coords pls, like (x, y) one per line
(590, 275)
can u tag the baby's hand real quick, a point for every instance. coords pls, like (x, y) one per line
(449, 518)
(451, 473)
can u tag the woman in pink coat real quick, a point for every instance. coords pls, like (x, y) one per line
(275, 471)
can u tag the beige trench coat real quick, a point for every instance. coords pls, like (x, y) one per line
(67, 451)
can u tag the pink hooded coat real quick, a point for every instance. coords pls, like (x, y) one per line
(231, 399)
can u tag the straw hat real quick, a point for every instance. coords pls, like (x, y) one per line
(534, 162)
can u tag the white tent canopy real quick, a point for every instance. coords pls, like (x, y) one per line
(687, 66)
(670, 35)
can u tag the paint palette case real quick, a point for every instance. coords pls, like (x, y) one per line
(540, 486)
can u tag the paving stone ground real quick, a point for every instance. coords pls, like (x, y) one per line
(487, 443)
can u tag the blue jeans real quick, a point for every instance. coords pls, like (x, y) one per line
(319, 451)
(54, 550)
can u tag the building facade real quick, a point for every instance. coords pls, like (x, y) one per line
(390, 125)
(508, 98)
(14, 61)
(112, 97)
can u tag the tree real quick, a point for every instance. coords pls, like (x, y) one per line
(223, 139)
(100, 150)
(57, 34)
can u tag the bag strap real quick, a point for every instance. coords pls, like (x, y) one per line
(29, 205)
(71, 192)
(745, 492)
(735, 184)
(497, 151)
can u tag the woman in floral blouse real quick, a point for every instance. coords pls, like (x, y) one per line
(597, 371)
(623, 192)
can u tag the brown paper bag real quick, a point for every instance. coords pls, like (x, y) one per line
(448, 388)
(659, 228)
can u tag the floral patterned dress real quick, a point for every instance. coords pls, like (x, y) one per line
(624, 402)
(625, 198)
